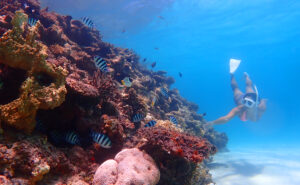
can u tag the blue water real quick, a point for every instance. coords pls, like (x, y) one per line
(198, 37)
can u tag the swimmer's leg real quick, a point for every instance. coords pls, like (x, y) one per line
(237, 93)
(249, 84)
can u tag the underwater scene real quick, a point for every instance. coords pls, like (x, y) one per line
(149, 92)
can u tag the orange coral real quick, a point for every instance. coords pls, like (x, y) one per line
(27, 54)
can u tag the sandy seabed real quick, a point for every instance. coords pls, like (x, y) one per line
(257, 167)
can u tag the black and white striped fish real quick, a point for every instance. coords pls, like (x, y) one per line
(72, 138)
(88, 22)
(150, 123)
(137, 118)
(102, 139)
(173, 120)
(164, 92)
(100, 63)
(32, 21)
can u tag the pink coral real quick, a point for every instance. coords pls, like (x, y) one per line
(130, 166)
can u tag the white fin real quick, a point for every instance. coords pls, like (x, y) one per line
(234, 64)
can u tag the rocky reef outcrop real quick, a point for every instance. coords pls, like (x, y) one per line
(175, 152)
(53, 96)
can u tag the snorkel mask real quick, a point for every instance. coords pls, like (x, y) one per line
(248, 102)
(251, 99)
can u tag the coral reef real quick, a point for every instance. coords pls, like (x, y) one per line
(175, 152)
(189, 147)
(30, 159)
(48, 76)
(130, 166)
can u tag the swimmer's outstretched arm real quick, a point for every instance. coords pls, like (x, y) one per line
(235, 111)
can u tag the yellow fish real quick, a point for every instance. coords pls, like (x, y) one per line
(126, 82)
(153, 101)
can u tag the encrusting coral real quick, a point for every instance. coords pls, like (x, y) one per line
(44, 87)
(32, 159)
(174, 143)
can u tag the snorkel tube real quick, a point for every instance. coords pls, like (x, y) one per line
(256, 102)
(256, 92)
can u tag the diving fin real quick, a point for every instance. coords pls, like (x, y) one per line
(234, 64)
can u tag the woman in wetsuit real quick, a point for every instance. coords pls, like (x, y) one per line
(249, 105)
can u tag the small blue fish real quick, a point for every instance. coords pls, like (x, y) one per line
(137, 118)
(72, 138)
(101, 139)
(173, 120)
(164, 92)
(150, 123)
(32, 22)
(126, 82)
(88, 22)
(101, 64)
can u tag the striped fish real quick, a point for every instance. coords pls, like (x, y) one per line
(88, 22)
(101, 64)
(164, 92)
(72, 138)
(173, 120)
(150, 123)
(32, 21)
(137, 118)
(101, 139)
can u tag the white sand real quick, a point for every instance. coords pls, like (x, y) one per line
(256, 167)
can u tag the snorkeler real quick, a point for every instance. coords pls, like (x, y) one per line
(249, 106)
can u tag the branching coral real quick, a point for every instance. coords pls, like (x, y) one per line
(35, 92)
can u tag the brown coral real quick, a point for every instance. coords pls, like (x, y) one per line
(44, 87)
(32, 159)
